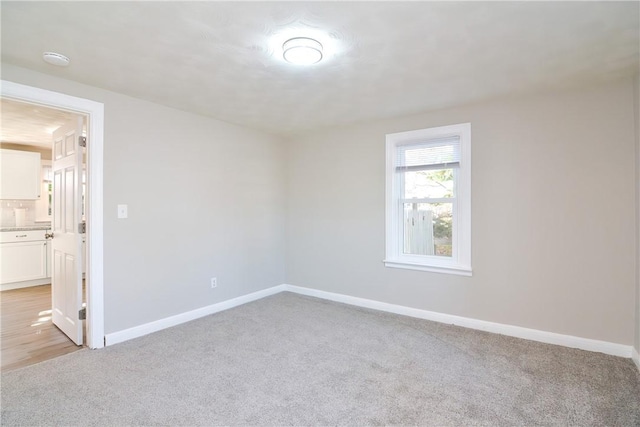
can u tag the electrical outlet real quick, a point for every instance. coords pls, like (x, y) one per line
(123, 211)
(214, 282)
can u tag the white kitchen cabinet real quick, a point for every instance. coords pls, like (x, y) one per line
(24, 258)
(19, 175)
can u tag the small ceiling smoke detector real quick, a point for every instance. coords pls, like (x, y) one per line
(302, 51)
(55, 59)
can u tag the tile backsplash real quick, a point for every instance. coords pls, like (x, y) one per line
(8, 212)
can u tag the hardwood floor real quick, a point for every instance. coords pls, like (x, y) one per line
(27, 335)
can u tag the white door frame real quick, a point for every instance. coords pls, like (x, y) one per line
(94, 208)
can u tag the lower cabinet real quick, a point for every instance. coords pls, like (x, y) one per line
(26, 258)
(23, 261)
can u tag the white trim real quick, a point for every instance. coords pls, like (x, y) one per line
(25, 284)
(497, 328)
(459, 270)
(167, 322)
(95, 112)
(635, 357)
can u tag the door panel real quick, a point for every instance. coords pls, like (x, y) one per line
(66, 277)
(69, 200)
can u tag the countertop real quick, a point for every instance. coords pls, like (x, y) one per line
(27, 228)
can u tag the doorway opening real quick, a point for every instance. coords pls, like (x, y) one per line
(29, 334)
(94, 113)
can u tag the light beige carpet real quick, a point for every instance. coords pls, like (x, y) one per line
(294, 360)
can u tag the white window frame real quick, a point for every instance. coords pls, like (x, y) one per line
(460, 261)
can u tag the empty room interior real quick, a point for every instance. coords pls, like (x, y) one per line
(320, 213)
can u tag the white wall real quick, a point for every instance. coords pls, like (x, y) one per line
(552, 214)
(205, 198)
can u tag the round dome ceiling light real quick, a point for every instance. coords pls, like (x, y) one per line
(302, 51)
(55, 59)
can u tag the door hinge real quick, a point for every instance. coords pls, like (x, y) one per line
(82, 141)
(82, 227)
(82, 314)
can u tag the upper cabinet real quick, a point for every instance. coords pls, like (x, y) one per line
(19, 175)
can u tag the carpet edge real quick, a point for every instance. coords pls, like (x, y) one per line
(570, 341)
(167, 322)
(588, 344)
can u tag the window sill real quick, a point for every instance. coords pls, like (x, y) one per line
(449, 269)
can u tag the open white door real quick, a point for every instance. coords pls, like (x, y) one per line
(66, 275)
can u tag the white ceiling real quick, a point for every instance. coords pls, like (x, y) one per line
(383, 59)
(28, 124)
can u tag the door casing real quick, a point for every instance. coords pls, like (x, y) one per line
(94, 206)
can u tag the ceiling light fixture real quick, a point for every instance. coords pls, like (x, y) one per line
(302, 51)
(55, 59)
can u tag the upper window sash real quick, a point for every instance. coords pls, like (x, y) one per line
(418, 168)
(428, 200)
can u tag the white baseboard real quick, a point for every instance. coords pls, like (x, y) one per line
(147, 328)
(497, 328)
(25, 284)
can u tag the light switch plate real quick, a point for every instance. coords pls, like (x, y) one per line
(122, 211)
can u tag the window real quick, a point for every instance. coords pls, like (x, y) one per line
(429, 199)
(43, 204)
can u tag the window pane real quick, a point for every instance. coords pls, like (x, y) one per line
(428, 228)
(429, 184)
